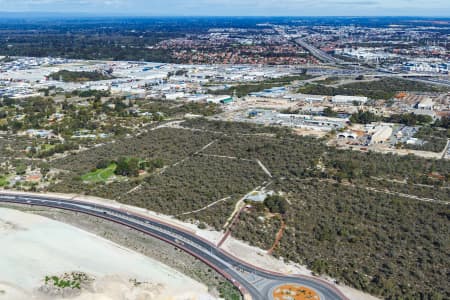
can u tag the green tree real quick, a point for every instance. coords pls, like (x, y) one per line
(44, 168)
(276, 204)
(329, 112)
(127, 166)
(102, 164)
(364, 117)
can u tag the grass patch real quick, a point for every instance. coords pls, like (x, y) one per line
(47, 147)
(4, 181)
(100, 175)
(72, 280)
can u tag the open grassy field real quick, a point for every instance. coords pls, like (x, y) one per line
(100, 175)
(3, 181)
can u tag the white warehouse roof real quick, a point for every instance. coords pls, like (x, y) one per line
(348, 99)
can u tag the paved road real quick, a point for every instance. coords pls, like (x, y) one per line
(253, 282)
(319, 53)
(435, 81)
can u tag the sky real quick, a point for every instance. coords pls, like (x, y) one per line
(234, 7)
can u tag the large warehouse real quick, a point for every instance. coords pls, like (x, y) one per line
(381, 134)
(342, 99)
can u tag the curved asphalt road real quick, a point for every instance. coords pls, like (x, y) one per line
(245, 277)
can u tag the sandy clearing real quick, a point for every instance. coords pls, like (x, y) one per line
(8, 291)
(261, 258)
(34, 246)
(354, 294)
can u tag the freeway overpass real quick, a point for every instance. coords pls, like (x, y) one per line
(436, 79)
(252, 282)
(319, 53)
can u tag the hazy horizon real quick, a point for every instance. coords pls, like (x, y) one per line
(245, 8)
(49, 14)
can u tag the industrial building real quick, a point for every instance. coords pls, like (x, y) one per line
(313, 122)
(380, 134)
(270, 93)
(342, 99)
(269, 117)
(425, 104)
(220, 99)
(307, 98)
(174, 96)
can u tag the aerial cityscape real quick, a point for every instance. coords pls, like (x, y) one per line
(199, 151)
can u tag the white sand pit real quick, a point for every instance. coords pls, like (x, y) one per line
(33, 247)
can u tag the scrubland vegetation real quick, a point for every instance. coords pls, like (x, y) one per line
(385, 88)
(374, 221)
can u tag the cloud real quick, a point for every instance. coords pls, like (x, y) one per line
(232, 7)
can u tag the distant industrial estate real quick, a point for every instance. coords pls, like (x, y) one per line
(280, 99)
